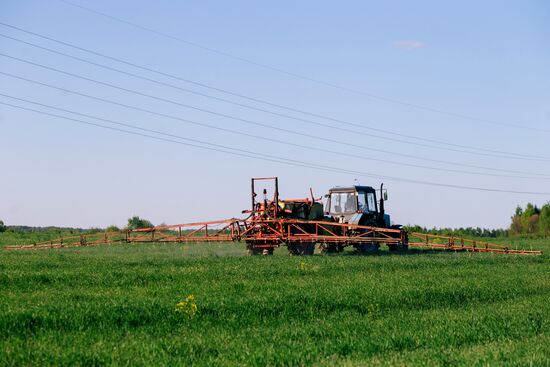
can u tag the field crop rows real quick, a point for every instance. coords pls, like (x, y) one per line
(116, 305)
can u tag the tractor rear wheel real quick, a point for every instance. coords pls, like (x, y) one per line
(301, 248)
(367, 248)
(398, 247)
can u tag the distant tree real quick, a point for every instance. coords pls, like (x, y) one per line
(515, 226)
(3, 227)
(112, 228)
(136, 222)
(533, 224)
(529, 225)
(532, 220)
(544, 219)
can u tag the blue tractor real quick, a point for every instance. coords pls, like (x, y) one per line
(358, 205)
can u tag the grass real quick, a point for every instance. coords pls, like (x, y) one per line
(116, 305)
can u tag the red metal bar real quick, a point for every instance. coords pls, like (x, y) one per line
(273, 232)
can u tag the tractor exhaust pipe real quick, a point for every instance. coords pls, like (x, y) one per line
(382, 200)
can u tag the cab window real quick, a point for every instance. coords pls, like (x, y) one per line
(366, 202)
(371, 202)
(343, 202)
(362, 202)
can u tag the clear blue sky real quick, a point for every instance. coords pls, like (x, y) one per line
(489, 60)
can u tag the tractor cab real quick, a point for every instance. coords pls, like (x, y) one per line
(357, 205)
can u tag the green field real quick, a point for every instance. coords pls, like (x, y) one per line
(116, 305)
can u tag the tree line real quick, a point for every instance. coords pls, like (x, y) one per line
(532, 220)
(134, 222)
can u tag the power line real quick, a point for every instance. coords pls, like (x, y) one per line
(251, 122)
(316, 149)
(267, 157)
(222, 99)
(445, 144)
(166, 100)
(301, 76)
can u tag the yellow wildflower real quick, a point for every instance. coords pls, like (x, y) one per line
(188, 306)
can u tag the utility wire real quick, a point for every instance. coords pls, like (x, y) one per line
(253, 123)
(301, 76)
(267, 157)
(330, 126)
(166, 100)
(339, 121)
(312, 148)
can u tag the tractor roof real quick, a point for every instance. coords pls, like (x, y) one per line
(352, 189)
